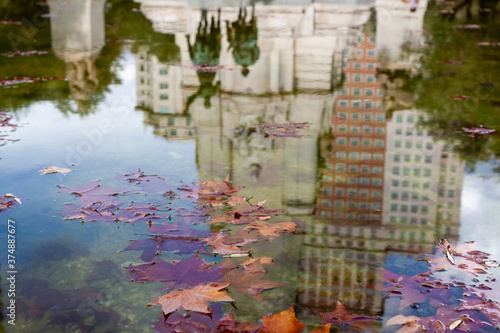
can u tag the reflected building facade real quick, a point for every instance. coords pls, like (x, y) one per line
(77, 29)
(316, 63)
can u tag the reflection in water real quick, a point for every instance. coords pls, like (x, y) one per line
(367, 180)
(242, 37)
(77, 38)
(386, 186)
(204, 53)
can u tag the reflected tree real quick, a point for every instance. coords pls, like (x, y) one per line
(242, 37)
(457, 85)
(204, 54)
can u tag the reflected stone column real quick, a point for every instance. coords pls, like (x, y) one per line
(77, 29)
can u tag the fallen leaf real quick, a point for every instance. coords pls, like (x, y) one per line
(401, 319)
(488, 44)
(228, 324)
(479, 131)
(249, 283)
(186, 273)
(254, 265)
(283, 322)
(322, 329)
(55, 169)
(25, 79)
(282, 130)
(25, 53)
(192, 322)
(193, 299)
(459, 97)
(216, 242)
(272, 230)
(343, 316)
(8, 201)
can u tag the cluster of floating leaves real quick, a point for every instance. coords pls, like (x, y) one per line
(478, 131)
(457, 293)
(6, 126)
(24, 79)
(193, 283)
(23, 53)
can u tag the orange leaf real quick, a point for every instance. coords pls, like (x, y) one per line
(55, 169)
(193, 299)
(283, 322)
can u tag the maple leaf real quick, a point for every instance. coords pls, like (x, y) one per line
(228, 324)
(25, 79)
(92, 193)
(478, 131)
(139, 212)
(343, 316)
(249, 283)
(283, 322)
(148, 183)
(9, 201)
(187, 272)
(92, 213)
(178, 229)
(245, 215)
(55, 169)
(271, 230)
(191, 322)
(254, 265)
(193, 299)
(154, 245)
(217, 243)
(25, 53)
(322, 329)
(284, 130)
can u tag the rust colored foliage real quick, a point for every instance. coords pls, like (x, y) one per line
(55, 169)
(6, 126)
(9, 201)
(25, 53)
(283, 322)
(249, 283)
(344, 317)
(24, 79)
(478, 131)
(193, 299)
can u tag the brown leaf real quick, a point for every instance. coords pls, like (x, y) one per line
(272, 230)
(228, 324)
(342, 315)
(8, 201)
(193, 299)
(254, 265)
(216, 242)
(55, 169)
(322, 329)
(249, 283)
(283, 322)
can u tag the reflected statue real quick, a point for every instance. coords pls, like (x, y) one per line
(242, 37)
(77, 39)
(204, 54)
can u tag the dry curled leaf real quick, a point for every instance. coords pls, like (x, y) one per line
(283, 322)
(193, 299)
(55, 169)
